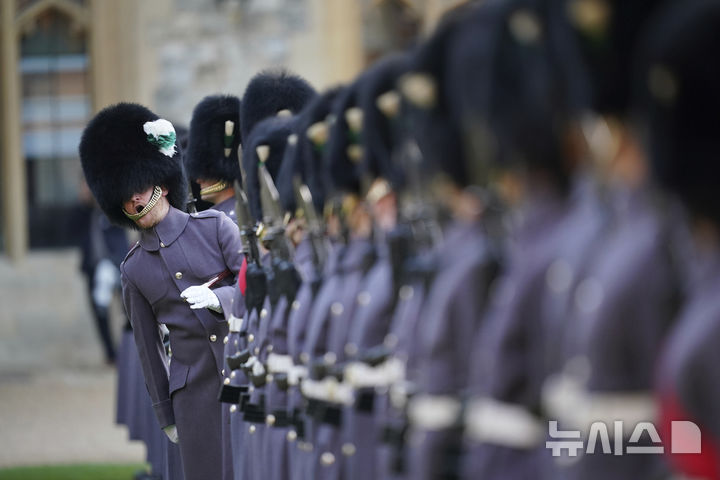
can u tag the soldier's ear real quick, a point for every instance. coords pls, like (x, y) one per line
(164, 191)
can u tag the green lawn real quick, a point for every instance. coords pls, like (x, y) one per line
(72, 472)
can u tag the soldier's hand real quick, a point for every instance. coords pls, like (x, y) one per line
(200, 296)
(171, 432)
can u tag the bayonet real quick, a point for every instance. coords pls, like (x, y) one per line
(274, 236)
(418, 210)
(286, 279)
(246, 226)
(304, 200)
(255, 277)
(191, 202)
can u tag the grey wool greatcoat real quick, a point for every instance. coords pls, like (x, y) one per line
(181, 251)
(450, 318)
(227, 207)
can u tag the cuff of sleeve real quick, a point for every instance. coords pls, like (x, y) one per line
(164, 413)
(225, 295)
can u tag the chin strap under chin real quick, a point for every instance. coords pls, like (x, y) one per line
(214, 188)
(157, 193)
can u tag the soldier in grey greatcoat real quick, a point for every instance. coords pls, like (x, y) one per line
(465, 262)
(211, 158)
(311, 143)
(602, 369)
(516, 132)
(378, 291)
(179, 274)
(680, 118)
(269, 99)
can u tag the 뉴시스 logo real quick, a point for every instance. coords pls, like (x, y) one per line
(684, 438)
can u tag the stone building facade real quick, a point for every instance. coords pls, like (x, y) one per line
(63, 60)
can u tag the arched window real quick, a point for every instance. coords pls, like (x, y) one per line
(56, 105)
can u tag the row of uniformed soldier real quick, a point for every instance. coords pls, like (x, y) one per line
(492, 256)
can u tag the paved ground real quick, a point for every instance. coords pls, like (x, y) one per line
(57, 398)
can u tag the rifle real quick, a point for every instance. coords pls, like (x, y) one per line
(315, 228)
(255, 277)
(191, 202)
(286, 279)
(246, 226)
(417, 208)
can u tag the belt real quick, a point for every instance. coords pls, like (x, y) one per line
(281, 380)
(278, 419)
(565, 398)
(328, 413)
(279, 363)
(234, 323)
(258, 380)
(244, 398)
(313, 406)
(254, 413)
(296, 374)
(230, 393)
(365, 400)
(254, 365)
(297, 420)
(393, 435)
(360, 374)
(328, 390)
(401, 392)
(236, 360)
(505, 424)
(434, 412)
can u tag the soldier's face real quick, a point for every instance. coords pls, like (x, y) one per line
(137, 202)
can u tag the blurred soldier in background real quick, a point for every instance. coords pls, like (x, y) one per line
(269, 103)
(212, 161)
(103, 247)
(312, 143)
(513, 131)
(618, 302)
(464, 261)
(678, 98)
(214, 142)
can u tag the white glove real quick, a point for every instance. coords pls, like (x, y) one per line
(105, 279)
(200, 296)
(258, 369)
(171, 432)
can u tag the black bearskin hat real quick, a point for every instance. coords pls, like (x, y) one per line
(270, 92)
(313, 133)
(508, 121)
(678, 101)
(607, 32)
(126, 149)
(380, 103)
(213, 141)
(342, 159)
(272, 133)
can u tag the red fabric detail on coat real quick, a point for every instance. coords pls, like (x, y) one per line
(705, 464)
(242, 281)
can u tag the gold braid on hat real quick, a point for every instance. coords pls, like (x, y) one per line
(157, 193)
(214, 188)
